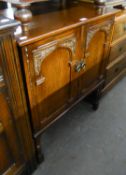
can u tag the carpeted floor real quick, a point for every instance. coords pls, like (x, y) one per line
(84, 142)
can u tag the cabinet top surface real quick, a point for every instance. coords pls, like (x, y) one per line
(44, 25)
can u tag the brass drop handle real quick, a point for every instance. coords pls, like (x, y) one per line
(82, 63)
(120, 49)
(77, 67)
(116, 70)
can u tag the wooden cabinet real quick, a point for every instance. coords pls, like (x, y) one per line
(116, 67)
(63, 59)
(63, 68)
(16, 144)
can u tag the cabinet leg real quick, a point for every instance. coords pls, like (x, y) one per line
(95, 99)
(39, 153)
(95, 106)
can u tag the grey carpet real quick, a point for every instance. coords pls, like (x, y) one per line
(84, 142)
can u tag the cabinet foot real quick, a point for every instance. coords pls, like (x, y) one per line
(95, 98)
(39, 153)
(95, 106)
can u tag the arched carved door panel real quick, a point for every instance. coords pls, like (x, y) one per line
(53, 93)
(48, 76)
(96, 50)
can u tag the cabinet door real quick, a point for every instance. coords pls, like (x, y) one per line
(10, 151)
(96, 53)
(48, 76)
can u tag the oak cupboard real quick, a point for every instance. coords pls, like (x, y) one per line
(17, 155)
(63, 58)
(63, 65)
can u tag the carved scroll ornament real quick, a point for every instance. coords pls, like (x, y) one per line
(71, 44)
(45, 50)
(92, 31)
(39, 56)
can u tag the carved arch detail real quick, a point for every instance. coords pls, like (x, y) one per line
(43, 51)
(92, 31)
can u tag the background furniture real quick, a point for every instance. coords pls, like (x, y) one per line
(3, 5)
(62, 63)
(116, 68)
(17, 154)
(106, 2)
